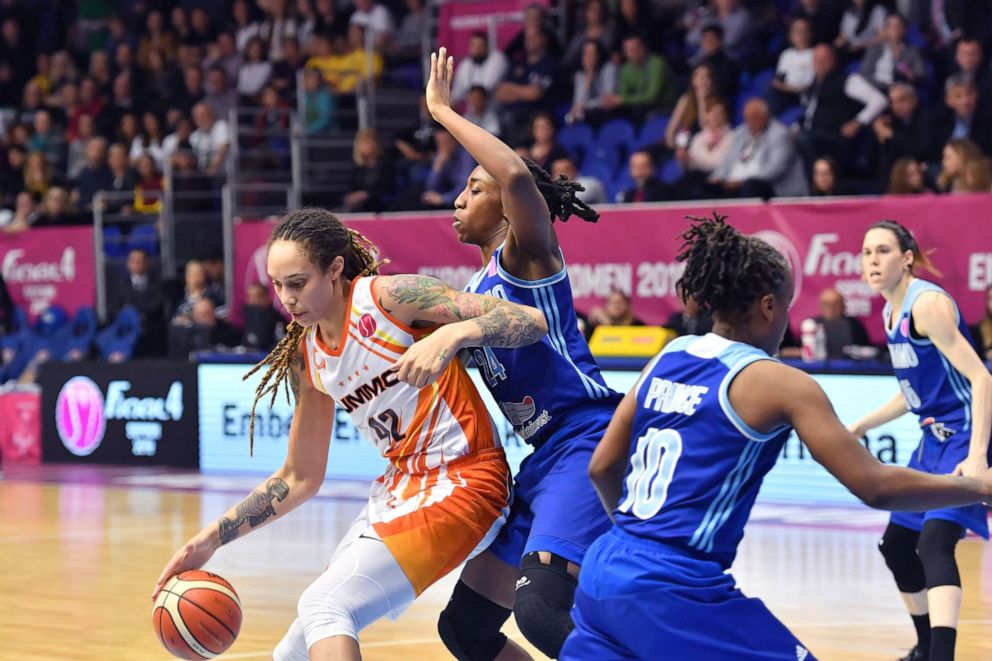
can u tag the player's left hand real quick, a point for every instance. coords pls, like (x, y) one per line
(438, 92)
(972, 466)
(425, 360)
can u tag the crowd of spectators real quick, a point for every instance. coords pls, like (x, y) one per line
(639, 100)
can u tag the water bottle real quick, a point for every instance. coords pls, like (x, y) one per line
(820, 343)
(808, 339)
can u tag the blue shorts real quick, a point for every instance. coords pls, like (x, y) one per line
(638, 599)
(555, 507)
(940, 458)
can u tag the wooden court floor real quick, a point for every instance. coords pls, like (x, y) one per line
(80, 552)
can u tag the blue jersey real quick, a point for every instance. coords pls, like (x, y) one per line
(934, 389)
(539, 386)
(695, 467)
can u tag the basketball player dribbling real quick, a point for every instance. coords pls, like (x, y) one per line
(384, 349)
(551, 391)
(942, 381)
(684, 458)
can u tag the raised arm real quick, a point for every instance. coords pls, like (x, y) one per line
(934, 316)
(465, 320)
(768, 394)
(523, 203)
(293, 484)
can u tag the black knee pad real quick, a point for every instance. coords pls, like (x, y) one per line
(470, 625)
(898, 547)
(544, 598)
(936, 548)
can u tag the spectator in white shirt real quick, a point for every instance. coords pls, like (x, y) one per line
(860, 27)
(376, 20)
(794, 73)
(480, 113)
(277, 26)
(707, 149)
(210, 140)
(256, 70)
(482, 67)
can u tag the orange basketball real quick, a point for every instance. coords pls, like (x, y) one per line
(197, 615)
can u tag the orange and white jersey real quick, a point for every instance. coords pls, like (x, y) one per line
(417, 430)
(438, 439)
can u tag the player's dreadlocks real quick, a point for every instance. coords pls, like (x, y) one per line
(908, 242)
(561, 195)
(322, 237)
(726, 271)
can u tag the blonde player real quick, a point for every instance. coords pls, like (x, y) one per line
(364, 342)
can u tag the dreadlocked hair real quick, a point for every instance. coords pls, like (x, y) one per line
(908, 242)
(726, 271)
(561, 194)
(323, 238)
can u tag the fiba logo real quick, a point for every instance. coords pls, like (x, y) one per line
(787, 249)
(79, 416)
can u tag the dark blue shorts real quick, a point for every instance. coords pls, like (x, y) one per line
(638, 599)
(555, 507)
(940, 458)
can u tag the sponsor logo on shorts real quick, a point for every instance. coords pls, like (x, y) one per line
(801, 653)
(519, 412)
(521, 582)
(940, 431)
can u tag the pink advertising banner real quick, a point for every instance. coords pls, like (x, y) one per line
(46, 266)
(458, 19)
(633, 249)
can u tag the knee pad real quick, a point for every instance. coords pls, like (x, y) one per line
(323, 612)
(470, 625)
(936, 549)
(898, 547)
(544, 598)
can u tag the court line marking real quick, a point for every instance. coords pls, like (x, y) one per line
(374, 644)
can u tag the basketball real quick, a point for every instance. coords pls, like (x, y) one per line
(197, 615)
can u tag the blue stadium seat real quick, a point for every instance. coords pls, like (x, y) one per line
(120, 336)
(144, 237)
(51, 321)
(613, 143)
(114, 245)
(622, 182)
(598, 170)
(652, 133)
(791, 115)
(672, 171)
(577, 139)
(74, 340)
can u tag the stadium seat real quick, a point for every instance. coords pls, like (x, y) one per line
(791, 115)
(50, 322)
(672, 171)
(577, 139)
(621, 182)
(120, 336)
(613, 143)
(114, 245)
(73, 341)
(652, 133)
(599, 171)
(144, 237)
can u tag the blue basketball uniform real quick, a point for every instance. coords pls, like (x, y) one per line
(657, 583)
(555, 398)
(941, 397)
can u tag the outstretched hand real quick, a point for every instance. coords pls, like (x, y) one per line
(438, 92)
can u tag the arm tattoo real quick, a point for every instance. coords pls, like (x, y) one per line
(503, 324)
(254, 509)
(425, 293)
(507, 325)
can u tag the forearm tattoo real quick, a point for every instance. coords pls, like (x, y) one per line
(507, 325)
(254, 509)
(503, 324)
